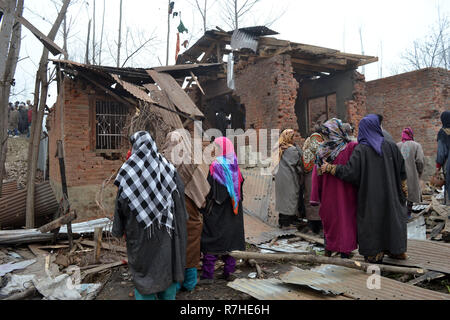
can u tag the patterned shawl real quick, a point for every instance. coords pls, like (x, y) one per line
(310, 148)
(336, 140)
(225, 170)
(285, 141)
(146, 179)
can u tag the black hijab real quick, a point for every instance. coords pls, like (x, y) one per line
(444, 134)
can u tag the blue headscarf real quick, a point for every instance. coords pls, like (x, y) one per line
(370, 133)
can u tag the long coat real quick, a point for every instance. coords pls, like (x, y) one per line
(289, 182)
(443, 159)
(413, 154)
(159, 261)
(382, 213)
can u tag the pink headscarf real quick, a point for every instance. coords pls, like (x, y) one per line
(407, 135)
(225, 170)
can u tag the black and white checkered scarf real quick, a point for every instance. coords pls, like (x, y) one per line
(147, 180)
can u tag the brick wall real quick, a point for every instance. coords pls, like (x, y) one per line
(357, 108)
(268, 91)
(83, 166)
(414, 99)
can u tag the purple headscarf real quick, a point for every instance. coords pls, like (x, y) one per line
(370, 133)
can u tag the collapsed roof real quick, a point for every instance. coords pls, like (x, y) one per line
(306, 59)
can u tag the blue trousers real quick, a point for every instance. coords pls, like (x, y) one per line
(169, 294)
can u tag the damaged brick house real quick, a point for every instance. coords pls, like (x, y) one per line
(277, 83)
(93, 116)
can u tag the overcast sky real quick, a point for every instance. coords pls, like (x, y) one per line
(388, 28)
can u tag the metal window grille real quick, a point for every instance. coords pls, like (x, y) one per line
(111, 118)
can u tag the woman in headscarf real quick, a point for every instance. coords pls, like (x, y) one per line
(289, 180)
(223, 219)
(377, 169)
(337, 199)
(443, 153)
(414, 163)
(310, 148)
(196, 189)
(150, 211)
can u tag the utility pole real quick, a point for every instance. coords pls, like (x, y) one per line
(168, 34)
(119, 43)
(362, 49)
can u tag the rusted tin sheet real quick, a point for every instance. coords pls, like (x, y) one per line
(354, 284)
(257, 232)
(274, 289)
(160, 98)
(176, 94)
(133, 89)
(13, 207)
(426, 254)
(257, 194)
(9, 188)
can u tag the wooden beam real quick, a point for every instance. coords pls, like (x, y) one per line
(318, 64)
(104, 246)
(46, 41)
(197, 82)
(55, 224)
(98, 232)
(208, 53)
(324, 260)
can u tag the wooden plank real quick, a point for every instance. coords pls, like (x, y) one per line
(48, 43)
(103, 267)
(55, 224)
(106, 246)
(317, 63)
(175, 93)
(98, 244)
(431, 275)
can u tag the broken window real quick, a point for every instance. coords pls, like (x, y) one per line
(321, 109)
(111, 118)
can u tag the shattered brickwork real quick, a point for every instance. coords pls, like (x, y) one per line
(83, 166)
(414, 99)
(268, 91)
(356, 108)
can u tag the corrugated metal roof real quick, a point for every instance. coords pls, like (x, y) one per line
(274, 289)
(257, 232)
(13, 206)
(257, 192)
(426, 254)
(9, 188)
(353, 284)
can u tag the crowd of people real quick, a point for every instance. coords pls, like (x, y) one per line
(19, 118)
(357, 191)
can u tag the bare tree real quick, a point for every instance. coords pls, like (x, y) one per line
(433, 50)
(235, 10)
(40, 101)
(10, 39)
(203, 8)
(119, 43)
(101, 34)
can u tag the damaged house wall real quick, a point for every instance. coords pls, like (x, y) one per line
(339, 95)
(414, 99)
(86, 170)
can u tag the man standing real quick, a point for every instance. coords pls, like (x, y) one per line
(30, 116)
(14, 124)
(414, 162)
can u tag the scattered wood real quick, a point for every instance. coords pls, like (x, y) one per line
(98, 243)
(310, 238)
(103, 267)
(324, 260)
(431, 275)
(105, 246)
(37, 251)
(65, 219)
(57, 246)
(436, 230)
(273, 241)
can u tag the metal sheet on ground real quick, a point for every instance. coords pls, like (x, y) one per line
(274, 289)
(354, 284)
(257, 232)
